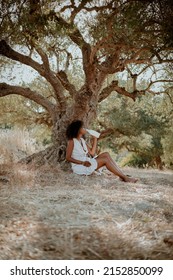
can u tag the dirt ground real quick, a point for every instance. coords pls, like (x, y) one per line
(52, 214)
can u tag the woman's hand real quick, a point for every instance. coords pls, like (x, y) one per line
(87, 163)
(92, 150)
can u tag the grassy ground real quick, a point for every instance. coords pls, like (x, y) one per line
(52, 214)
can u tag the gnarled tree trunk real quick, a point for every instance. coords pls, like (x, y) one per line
(83, 108)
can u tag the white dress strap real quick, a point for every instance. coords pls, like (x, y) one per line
(84, 146)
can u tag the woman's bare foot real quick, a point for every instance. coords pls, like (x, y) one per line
(129, 179)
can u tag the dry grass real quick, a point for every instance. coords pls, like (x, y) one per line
(52, 214)
(16, 144)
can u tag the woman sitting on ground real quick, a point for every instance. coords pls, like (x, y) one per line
(83, 157)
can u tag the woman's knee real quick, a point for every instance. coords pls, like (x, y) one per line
(105, 154)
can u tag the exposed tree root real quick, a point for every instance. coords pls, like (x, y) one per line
(52, 155)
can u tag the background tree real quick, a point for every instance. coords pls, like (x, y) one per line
(102, 37)
(141, 131)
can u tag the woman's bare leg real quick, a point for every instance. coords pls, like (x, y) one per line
(107, 155)
(105, 159)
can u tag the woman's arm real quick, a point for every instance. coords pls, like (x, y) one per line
(92, 150)
(69, 151)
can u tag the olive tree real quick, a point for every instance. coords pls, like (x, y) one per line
(103, 37)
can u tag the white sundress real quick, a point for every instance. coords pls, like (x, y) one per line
(80, 152)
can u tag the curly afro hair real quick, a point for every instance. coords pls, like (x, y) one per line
(73, 129)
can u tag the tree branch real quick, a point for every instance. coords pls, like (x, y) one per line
(158, 81)
(134, 78)
(171, 100)
(105, 133)
(109, 131)
(100, 44)
(82, 6)
(114, 63)
(62, 76)
(42, 69)
(135, 58)
(73, 31)
(121, 90)
(76, 10)
(107, 91)
(7, 51)
(44, 58)
(6, 89)
(77, 38)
